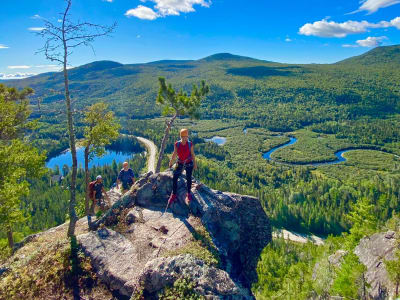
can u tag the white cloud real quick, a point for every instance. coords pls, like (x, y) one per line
(325, 28)
(368, 42)
(142, 12)
(350, 46)
(165, 8)
(288, 40)
(108, 1)
(36, 28)
(175, 7)
(371, 41)
(19, 67)
(372, 6)
(47, 66)
(16, 76)
(396, 22)
(36, 17)
(3, 46)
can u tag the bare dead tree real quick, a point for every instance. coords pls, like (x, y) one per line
(61, 38)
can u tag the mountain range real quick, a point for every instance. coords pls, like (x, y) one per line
(238, 84)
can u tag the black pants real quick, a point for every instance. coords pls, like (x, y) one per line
(178, 171)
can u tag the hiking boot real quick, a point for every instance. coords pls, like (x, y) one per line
(188, 199)
(171, 199)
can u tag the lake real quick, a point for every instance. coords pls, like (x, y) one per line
(107, 159)
(217, 139)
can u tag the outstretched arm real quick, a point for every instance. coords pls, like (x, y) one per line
(171, 162)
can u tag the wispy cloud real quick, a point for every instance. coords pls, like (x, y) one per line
(36, 17)
(19, 67)
(288, 40)
(3, 46)
(372, 6)
(142, 12)
(325, 28)
(163, 8)
(15, 76)
(36, 28)
(47, 66)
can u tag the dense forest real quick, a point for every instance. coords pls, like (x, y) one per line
(256, 106)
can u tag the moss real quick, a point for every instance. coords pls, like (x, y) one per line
(182, 289)
(45, 269)
(201, 246)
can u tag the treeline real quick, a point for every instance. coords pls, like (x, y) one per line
(126, 144)
(303, 201)
(363, 131)
(47, 204)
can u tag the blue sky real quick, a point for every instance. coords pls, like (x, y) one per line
(312, 31)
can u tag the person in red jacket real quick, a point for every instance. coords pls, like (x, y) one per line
(183, 150)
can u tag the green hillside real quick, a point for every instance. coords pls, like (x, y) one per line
(381, 55)
(241, 88)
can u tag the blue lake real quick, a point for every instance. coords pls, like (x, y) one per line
(217, 139)
(107, 159)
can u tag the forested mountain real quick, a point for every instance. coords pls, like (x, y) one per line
(360, 86)
(255, 105)
(381, 55)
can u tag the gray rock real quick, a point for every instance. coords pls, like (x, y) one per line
(131, 217)
(372, 252)
(237, 224)
(111, 255)
(239, 227)
(336, 259)
(210, 281)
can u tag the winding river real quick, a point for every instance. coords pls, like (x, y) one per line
(338, 154)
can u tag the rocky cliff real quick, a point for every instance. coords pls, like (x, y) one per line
(138, 250)
(372, 252)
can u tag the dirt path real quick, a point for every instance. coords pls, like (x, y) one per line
(297, 237)
(152, 150)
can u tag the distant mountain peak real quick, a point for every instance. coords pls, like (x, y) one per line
(101, 65)
(226, 56)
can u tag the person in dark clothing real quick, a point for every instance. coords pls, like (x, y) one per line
(183, 150)
(126, 177)
(97, 195)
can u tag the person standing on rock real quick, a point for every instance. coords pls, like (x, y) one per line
(126, 176)
(96, 194)
(183, 149)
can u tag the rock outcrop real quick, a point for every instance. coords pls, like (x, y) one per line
(372, 252)
(216, 242)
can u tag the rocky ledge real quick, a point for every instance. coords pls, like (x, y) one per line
(138, 248)
(372, 252)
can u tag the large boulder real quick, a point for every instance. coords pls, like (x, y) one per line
(150, 239)
(372, 252)
(211, 282)
(239, 227)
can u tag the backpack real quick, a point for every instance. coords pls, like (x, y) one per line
(91, 188)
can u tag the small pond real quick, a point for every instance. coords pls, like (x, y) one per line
(217, 139)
